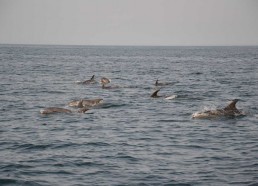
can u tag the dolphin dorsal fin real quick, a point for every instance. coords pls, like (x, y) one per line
(80, 105)
(231, 105)
(92, 78)
(155, 94)
(157, 82)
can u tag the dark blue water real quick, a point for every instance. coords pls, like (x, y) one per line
(131, 139)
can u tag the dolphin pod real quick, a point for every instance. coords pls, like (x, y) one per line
(229, 111)
(85, 104)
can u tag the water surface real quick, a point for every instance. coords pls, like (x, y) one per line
(131, 139)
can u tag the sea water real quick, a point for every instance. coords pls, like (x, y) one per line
(131, 138)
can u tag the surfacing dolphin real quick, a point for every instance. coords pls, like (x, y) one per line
(155, 95)
(51, 110)
(109, 87)
(85, 103)
(157, 83)
(89, 81)
(79, 104)
(104, 80)
(229, 111)
(54, 110)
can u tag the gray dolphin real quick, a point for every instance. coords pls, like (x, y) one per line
(89, 81)
(85, 103)
(229, 110)
(157, 83)
(109, 87)
(155, 95)
(104, 80)
(53, 110)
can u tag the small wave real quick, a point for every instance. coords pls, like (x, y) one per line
(112, 105)
(53, 92)
(172, 120)
(78, 82)
(98, 144)
(243, 183)
(127, 157)
(178, 184)
(33, 146)
(253, 184)
(196, 73)
(60, 146)
(171, 97)
(14, 166)
(10, 181)
(87, 164)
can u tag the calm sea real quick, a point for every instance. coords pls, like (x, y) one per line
(131, 139)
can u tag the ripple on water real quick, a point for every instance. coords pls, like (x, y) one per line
(12, 182)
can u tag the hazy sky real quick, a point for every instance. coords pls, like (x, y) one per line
(129, 22)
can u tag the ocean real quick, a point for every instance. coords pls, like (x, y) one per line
(131, 138)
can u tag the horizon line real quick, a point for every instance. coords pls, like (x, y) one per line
(129, 45)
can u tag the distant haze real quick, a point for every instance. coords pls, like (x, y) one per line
(129, 22)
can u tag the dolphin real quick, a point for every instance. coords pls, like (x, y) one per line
(85, 103)
(74, 103)
(157, 83)
(229, 110)
(90, 102)
(89, 81)
(51, 110)
(155, 95)
(104, 80)
(109, 87)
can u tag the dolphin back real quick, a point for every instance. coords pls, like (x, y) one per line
(52, 110)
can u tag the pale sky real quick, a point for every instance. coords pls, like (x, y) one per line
(129, 22)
